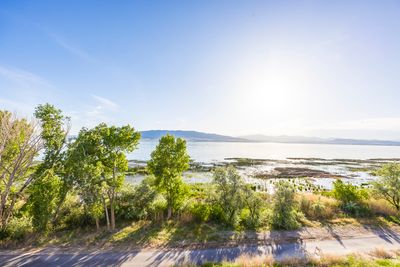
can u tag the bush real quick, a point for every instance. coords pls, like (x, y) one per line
(17, 228)
(78, 217)
(201, 211)
(284, 215)
(351, 198)
(135, 203)
(347, 193)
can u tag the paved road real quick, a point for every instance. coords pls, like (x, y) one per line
(171, 257)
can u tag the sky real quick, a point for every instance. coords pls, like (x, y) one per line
(310, 68)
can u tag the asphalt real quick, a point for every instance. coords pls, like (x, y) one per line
(298, 248)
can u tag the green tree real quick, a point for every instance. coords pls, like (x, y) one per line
(98, 163)
(49, 189)
(229, 188)
(388, 184)
(20, 143)
(168, 161)
(284, 210)
(254, 204)
(85, 169)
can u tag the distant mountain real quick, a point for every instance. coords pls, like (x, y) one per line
(195, 136)
(191, 136)
(317, 140)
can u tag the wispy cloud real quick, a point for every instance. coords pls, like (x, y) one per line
(70, 47)
(18, 107)
(106, 103)
(101, 109)
(22, 77)
(73, 49)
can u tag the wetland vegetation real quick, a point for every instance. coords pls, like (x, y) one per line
(81, 190)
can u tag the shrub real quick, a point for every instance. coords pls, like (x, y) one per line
(135, 203)
(78, 217)
(201, 211)
(284, 215)
(17, 228)
(351, 198)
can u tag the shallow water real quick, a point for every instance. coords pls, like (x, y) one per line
(218, 151)
(283, 154)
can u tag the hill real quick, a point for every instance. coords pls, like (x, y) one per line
(191, 136)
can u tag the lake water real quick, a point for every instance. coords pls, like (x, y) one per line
(217, 151)
(212, 152)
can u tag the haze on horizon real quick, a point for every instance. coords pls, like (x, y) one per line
(310, 68)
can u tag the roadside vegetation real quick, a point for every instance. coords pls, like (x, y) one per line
(376, 258)
(57, 190)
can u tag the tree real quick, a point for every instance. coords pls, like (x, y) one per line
(229, 193)
(254, 203)
(98, 163)
(388, 184)
(85, 168)
(20, 143)
(49, 188)
(284, 213)
(168, 161)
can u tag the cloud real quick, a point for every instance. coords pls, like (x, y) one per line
(99, 110)
(14, 106)
(105, 103)
(22, 77)
(71, 48)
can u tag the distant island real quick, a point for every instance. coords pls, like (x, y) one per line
(195, 136)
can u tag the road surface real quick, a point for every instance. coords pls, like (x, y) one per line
(362, 244)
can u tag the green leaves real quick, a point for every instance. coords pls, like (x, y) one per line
(388, 185)
(168, 161)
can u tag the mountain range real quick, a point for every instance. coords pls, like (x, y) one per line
(196, 136)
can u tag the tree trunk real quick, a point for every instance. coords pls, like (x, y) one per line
(106, 211)
(169, 212)
(112, 213)
(97, 224)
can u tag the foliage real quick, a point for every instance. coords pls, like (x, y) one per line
(19, 145)
(17, 228)
(49, 189)
(284, 214)
(201, 211)
(135, 202)
(254, 204)
(168, 161)
(388, 185)
(97, 163)
(351, 198)
(229, 187)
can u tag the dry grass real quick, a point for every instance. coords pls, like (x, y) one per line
(293, 261)
(254, 261)
(317, 207)
(329, 260)
(326, 260)
(381, 253)
(381, 207)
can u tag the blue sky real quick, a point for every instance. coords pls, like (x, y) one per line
(320, 68)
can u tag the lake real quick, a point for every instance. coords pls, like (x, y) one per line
(217, 151)
(347, 162)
